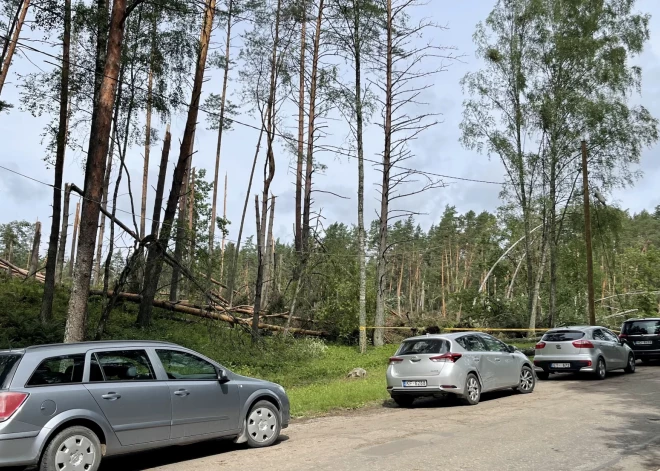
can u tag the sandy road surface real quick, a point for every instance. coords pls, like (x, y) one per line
(566, 424)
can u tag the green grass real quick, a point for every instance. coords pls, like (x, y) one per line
(313, 372)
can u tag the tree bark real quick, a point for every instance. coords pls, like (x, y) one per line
(260, 272)
(4, 66)
(74, 240)
(94, 173)
(147, 137)
(51, 258)
(269, 255)
(160, 186)
(34, 255)
(309, 165)
(224, 234)
(221, 124)
(301, 128)
(385, 191)
(63, 235)
(10, 34)
(537, 286)
(154, 258)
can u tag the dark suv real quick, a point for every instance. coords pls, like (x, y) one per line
(643, 336)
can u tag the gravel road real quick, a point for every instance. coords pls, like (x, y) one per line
(566, 424)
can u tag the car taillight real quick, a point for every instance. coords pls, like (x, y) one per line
(9, 403)
(583, 344)
(452, 357)
(394, 360)
(623, 336)
(539, 345)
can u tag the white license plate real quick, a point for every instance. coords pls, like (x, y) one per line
(644, 342)
(560, 365)
(414, 384)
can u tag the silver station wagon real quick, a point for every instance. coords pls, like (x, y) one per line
(457, 365)
(63, 407)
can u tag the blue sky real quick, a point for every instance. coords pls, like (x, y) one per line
(436, 151)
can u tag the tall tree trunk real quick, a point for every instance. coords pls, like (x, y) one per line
(309, 165)
(398, 288)
(106, 184)
(553, 245)
(301, 127)
(154, 258)
(10, 34)
(385, 191)
(224, 234)
(537, 285)
(59, 272)
(260, 274)
(4, 66)
(237, 248)
(94, 173)
(221, 124)
(147, 136)
(74, 240)
(160, 186)
(268, 253)
(51, 258)
(34, 255)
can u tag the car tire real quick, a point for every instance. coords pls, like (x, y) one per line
(472, 390)
(77, 443)
(543, 375)
(404, 401)
(601, 369)
(263, 425)
(630, 367)
(527, 381)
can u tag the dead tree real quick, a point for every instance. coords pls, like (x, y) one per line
(34, 255)
(74, 240)
(63, 235)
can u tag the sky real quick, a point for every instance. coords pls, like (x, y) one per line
(438, 150)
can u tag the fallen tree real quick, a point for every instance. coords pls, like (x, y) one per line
(212, 312)
(19, 272)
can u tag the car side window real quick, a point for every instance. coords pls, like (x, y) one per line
(185, 366)
(610, 336)
(66, 369)
(471, 343)
(124, 365)
(494, 345)
(599, 335)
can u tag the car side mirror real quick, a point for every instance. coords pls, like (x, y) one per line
(222, 377)
(511, 348)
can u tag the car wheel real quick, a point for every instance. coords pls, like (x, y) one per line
(74, 448)
(630, 367)
(263, 425)
(472, 390)
(403, 401)
(527, 381)
(543, 375)
(601, 369)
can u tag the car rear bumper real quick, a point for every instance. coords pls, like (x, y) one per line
(646, 353)
(451, 380)
(427, 391)
(19, 449)
(582, 365)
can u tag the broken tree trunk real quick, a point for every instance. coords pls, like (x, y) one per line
(74, 240)
(34, 256)
(63, 235)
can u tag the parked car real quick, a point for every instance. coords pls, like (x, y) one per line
(583, 349)
(462, 365)
(66, 406)
(643, 337)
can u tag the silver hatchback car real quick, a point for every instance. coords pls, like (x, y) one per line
(459, 365)
(582, 349)
(63, 407)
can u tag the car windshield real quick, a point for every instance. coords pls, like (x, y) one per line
(423, 346)
(562, 336)
(7, 363)
(642, 328)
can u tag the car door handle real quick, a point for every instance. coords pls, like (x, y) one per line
(111, 396)
(181, 393)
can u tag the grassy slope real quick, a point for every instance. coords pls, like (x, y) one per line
(313, 373)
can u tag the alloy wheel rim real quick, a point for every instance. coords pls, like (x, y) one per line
(473, 389)
(262, 425)
(601, 368)
(526, 380)
(75, 453)
(631, 362)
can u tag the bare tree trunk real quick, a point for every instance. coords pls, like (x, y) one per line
(232, 275)
(442, 284)
(10, 34)
(147, 137)
(268, 250)
(301, 128)
(94, 173)
(385, 191)
(224, 235)
(74, 240)
(63, 235)
(51, 257)
(398, 288)
(537, 286)
(34, 255)
(191, 215)
(260, 273)
(154, 259)
(221, 124)
(309, 166)
(4, 66)
(160, 186)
